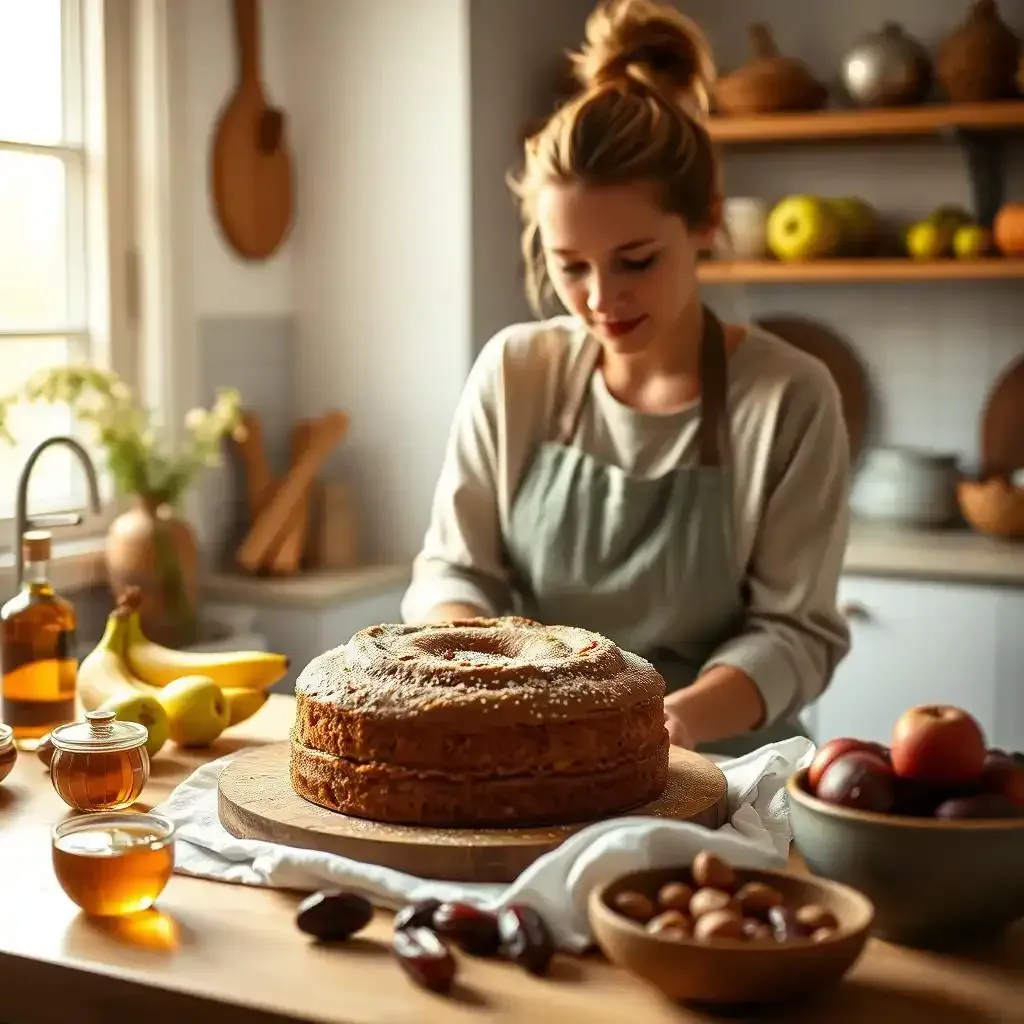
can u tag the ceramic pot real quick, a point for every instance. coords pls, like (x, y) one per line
(151, 548)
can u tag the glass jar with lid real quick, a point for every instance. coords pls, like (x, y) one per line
(100, 764)
(8, 751)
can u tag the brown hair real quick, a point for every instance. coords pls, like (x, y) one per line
(645, 69)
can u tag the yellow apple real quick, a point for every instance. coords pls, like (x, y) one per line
(802, 228)
(926, 241)
(147, 711)
(971, 241)
(197, 710)
(858, 225)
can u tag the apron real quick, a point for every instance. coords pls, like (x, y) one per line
(648, 563)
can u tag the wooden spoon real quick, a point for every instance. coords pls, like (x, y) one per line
(251, 164)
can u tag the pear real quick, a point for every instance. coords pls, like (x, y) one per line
(138, 707)
(197, 710)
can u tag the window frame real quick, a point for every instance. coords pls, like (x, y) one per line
(97, 40)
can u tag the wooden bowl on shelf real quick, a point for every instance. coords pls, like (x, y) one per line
(994, 506)
(732, 972)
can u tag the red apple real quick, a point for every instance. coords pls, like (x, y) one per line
(1002, 776)
(828, 752)
(859, 779)
(938, 743)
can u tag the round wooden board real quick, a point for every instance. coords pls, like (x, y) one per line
(256, 801)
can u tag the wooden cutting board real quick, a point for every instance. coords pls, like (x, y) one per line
(1002, 425)
(251, 164)
(256, 801)
(847, 370)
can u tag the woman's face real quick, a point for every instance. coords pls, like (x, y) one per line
(619, 262)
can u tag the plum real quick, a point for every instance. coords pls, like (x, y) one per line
(860, 779)
(983, 805)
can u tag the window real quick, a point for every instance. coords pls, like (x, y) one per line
(64, 219)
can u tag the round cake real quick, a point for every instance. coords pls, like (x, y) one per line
(486, 722)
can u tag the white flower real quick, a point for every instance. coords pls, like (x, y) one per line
(195, 419)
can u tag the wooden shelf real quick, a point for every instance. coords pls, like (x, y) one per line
(826, 125)
(852, 271)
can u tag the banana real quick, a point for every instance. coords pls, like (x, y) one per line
(104, 680)
(236, 670)
(243, 704)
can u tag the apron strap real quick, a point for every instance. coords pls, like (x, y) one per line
(579, 387)
(714, 389)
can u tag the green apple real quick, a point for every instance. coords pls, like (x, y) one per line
(926, 241)
(197, 710)
(971, 241)
(949, 215)
(802, 228)
(147, 711)
(858, 225)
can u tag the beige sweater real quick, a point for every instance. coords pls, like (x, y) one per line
(790, 456)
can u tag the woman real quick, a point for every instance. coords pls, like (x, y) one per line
(636, 467)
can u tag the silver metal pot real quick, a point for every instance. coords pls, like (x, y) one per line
(887, 68)
(906, 487)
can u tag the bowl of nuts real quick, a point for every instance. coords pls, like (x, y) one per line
(709, 933)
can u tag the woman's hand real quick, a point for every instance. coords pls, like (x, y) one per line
(678, 732)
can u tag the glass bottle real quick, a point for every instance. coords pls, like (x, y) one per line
(38, 667)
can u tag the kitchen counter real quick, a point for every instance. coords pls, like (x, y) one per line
(213, 951)
(953, 555)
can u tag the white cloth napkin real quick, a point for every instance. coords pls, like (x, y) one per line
(556, 885)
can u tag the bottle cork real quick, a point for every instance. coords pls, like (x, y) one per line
(36, 545)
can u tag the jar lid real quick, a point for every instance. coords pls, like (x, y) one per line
(6, 738)
(100, 733)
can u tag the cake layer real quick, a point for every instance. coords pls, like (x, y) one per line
(382, 792)
(458, 675)
(486, 746)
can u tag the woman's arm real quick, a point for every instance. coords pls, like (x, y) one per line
(793, 636)
(453, 611)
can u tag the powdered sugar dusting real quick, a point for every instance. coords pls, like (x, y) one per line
(520, 669)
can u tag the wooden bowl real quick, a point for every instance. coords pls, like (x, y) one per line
(729, 972)
(993, 506)
(934, 882)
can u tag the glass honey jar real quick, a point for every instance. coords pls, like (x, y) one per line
(8, 751)
(113, 864)
(100, 764)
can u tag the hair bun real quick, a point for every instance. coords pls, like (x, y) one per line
(650, 44)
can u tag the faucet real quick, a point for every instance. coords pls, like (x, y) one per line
(22, 523)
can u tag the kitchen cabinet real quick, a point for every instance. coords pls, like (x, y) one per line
(916, 642)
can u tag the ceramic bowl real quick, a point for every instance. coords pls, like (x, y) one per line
(934, 883)
(732, 972)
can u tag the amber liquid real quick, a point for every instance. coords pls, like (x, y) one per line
(37, 662)
(110, 870)
(101, 781)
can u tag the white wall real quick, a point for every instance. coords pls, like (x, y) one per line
(223, 283)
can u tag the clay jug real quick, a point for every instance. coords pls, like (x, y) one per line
(149, 547)
(978, 62)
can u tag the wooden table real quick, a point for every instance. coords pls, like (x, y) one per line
(226, 953)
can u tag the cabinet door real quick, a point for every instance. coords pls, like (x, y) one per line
(1009, 671)
(912, 643)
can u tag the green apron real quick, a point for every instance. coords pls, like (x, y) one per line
(649, 563)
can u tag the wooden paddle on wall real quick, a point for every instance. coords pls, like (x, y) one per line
(251, 164)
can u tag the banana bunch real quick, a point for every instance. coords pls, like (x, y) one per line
(187, 697)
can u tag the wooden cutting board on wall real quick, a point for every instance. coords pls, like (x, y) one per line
(251, 164)
(846, 368)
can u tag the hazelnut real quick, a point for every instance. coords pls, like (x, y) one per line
(719, 924)
(675, 896)
(756, 899)
(812, 917)
(756, 931)
(670, 920)
(634, 905)
(708, 901)
(712, 872)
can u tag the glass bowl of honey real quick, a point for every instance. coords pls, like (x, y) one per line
(100, 764)
(113, 863)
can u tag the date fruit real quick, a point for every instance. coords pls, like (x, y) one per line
(416, 915)
(424, 958)
(719, 924)
(333, 915)
(634, 905)
(860, 780)
(670, 923)
(473, 930)
(710, 901)
(676, 896)
(526, 939)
